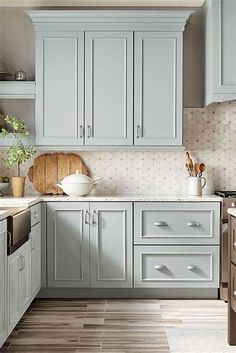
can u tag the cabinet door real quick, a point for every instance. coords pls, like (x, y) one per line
(111, 244)
(68, 244)
(25, 276)
(158, 88)
(3, 281)
(14, 289)
(35, 237)
(109, 88)
(60, 87)
(224, 48)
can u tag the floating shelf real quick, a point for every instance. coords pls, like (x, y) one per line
(17, 90)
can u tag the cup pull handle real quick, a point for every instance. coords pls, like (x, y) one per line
(192, 267)
(161, 224)
(193, 224)
(86, 221)
(159, 267)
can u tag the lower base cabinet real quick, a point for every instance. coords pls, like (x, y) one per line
(3, 282)
(176, 266)
(89, 244)
(19, 284)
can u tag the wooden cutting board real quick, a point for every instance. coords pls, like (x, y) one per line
(49, 169)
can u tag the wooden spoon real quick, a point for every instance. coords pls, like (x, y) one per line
(202, 167)
(189, 162)
(196, 169)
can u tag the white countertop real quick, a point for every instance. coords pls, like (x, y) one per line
(31, 200)
(145, 198)
(232, 211)
(4, 214)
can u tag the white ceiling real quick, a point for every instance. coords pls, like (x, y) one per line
(164, 3)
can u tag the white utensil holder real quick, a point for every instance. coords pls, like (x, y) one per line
(195, 185)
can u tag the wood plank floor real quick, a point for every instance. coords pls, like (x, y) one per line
(117, 326)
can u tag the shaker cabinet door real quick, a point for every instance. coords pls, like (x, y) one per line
(3, 282)
(111, 244)
(68, 244)
(108, 88)
(224, 48)
(60, 88)
(158, 88)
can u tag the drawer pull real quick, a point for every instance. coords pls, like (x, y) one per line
(193, 224)
(234, 294)
(192, 267)
(159, 267)
(161, 224)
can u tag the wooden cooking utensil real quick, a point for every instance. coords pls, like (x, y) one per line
(49, 169)
(189, 162)
(202, 167)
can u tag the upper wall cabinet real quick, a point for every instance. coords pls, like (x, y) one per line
(220, 50)
(158, 88)
(109, 88)
(109, 78)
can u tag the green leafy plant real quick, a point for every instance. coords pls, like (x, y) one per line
(17, 154)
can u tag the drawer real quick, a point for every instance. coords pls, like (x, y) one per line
(233, 239)
(176, 266)
(233, 287)
(177, 223)
(35, 214)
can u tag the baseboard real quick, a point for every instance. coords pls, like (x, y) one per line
(139, 293)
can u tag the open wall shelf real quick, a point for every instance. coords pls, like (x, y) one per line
(17, 90)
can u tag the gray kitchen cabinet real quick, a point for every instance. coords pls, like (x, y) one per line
(158, 88)
(35, 237)
(19, 284)
(68, 244)
(220, 50)
(111, 244)
(93, 68)
(59, 88)
(176, 223)
(109, 88)
(176, 266)
(3, 281)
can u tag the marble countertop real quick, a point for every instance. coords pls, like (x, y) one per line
(145, 198)
(232, 211)
(4, 214)
(31, 200)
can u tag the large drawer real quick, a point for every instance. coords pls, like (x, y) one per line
(176, 266)
(176, 222)
(35, 214)
(233, 287)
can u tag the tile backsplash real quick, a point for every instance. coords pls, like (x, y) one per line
(210, 136)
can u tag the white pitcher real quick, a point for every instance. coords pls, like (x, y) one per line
(195, 185)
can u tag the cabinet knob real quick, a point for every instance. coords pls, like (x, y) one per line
(161, 224)
(192, 267)
(35, 214)
(159, 267)
(234, 293)
(193, 224)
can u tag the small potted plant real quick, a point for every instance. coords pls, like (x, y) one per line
(17, 154)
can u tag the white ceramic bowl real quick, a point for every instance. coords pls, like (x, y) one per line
(77, 184)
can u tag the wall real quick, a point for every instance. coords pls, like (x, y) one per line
(209, 135)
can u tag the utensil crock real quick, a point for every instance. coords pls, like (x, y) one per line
(195, 185)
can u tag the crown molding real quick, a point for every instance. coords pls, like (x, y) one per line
(88, 3)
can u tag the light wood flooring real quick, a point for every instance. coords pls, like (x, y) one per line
(121, 326)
